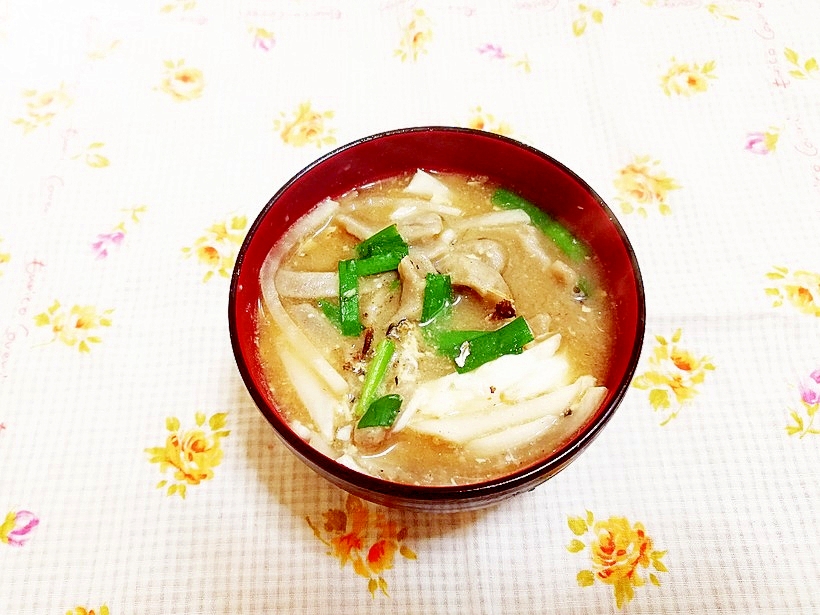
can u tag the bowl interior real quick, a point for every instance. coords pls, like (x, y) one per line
(524, 170)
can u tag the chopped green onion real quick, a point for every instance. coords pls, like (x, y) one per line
(438, 295)
(559, 234)
(381, 252)
(349, 298)
(382, 412)
(490, 345)
(386, 241)
(332, 311)
(448, 341)
(378, 253)
(374, 375)
(379, 262)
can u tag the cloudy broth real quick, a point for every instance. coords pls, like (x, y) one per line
(449, 221)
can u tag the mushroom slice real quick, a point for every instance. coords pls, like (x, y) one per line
(472, 272)
(413, 270)
(488, 250)
(563, 273)
(355, 226)
(420, 226)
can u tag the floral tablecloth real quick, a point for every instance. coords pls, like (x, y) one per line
(138, 141)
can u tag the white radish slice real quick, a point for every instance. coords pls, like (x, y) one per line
(502, 441)
(312, 223)
(424, 184)
(483, 386)
(465, 427)
(307, 284)
(322, 405)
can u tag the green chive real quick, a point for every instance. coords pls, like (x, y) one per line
(479, 347)
(332, 312)
(374, 374)
(438, 295)
(382, 412)
(559, 234)
(349, 298)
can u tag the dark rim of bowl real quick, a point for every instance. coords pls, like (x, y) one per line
(520, 480)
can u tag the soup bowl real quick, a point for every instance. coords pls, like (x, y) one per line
(530, 173)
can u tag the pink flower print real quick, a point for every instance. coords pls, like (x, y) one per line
(17, 526)
(263, 38)
(810, 389)
(756, 143)
(492, 51)
(762, 142)
(263, 44)
(106, 241)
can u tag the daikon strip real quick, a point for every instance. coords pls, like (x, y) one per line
(307, 284)
(511, 438)
(308, 225)
(411, 207)
(348, 461)
(462, 428)
(322, 405)
(424, 184)
(484, 385)
(494, 218)
(323, 333)
(590, 401)
(550, 371)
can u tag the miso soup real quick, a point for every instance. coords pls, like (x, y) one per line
(434, 329)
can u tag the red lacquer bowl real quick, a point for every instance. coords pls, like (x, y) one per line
(522, 169)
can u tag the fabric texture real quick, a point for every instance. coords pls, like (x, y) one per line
(139, 141)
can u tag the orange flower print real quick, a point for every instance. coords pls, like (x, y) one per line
(4, 257)
(77, 326)
(190, 454)
(306, 126)
(643, 184)
(673, 377)
(216, 250)
(43, 107)
(481, 120)
(81, 610)
(584, 14)
(182, 83)
(800, 288)
(369, 541)
(619, 551)
(416, 36)
(685, 79)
